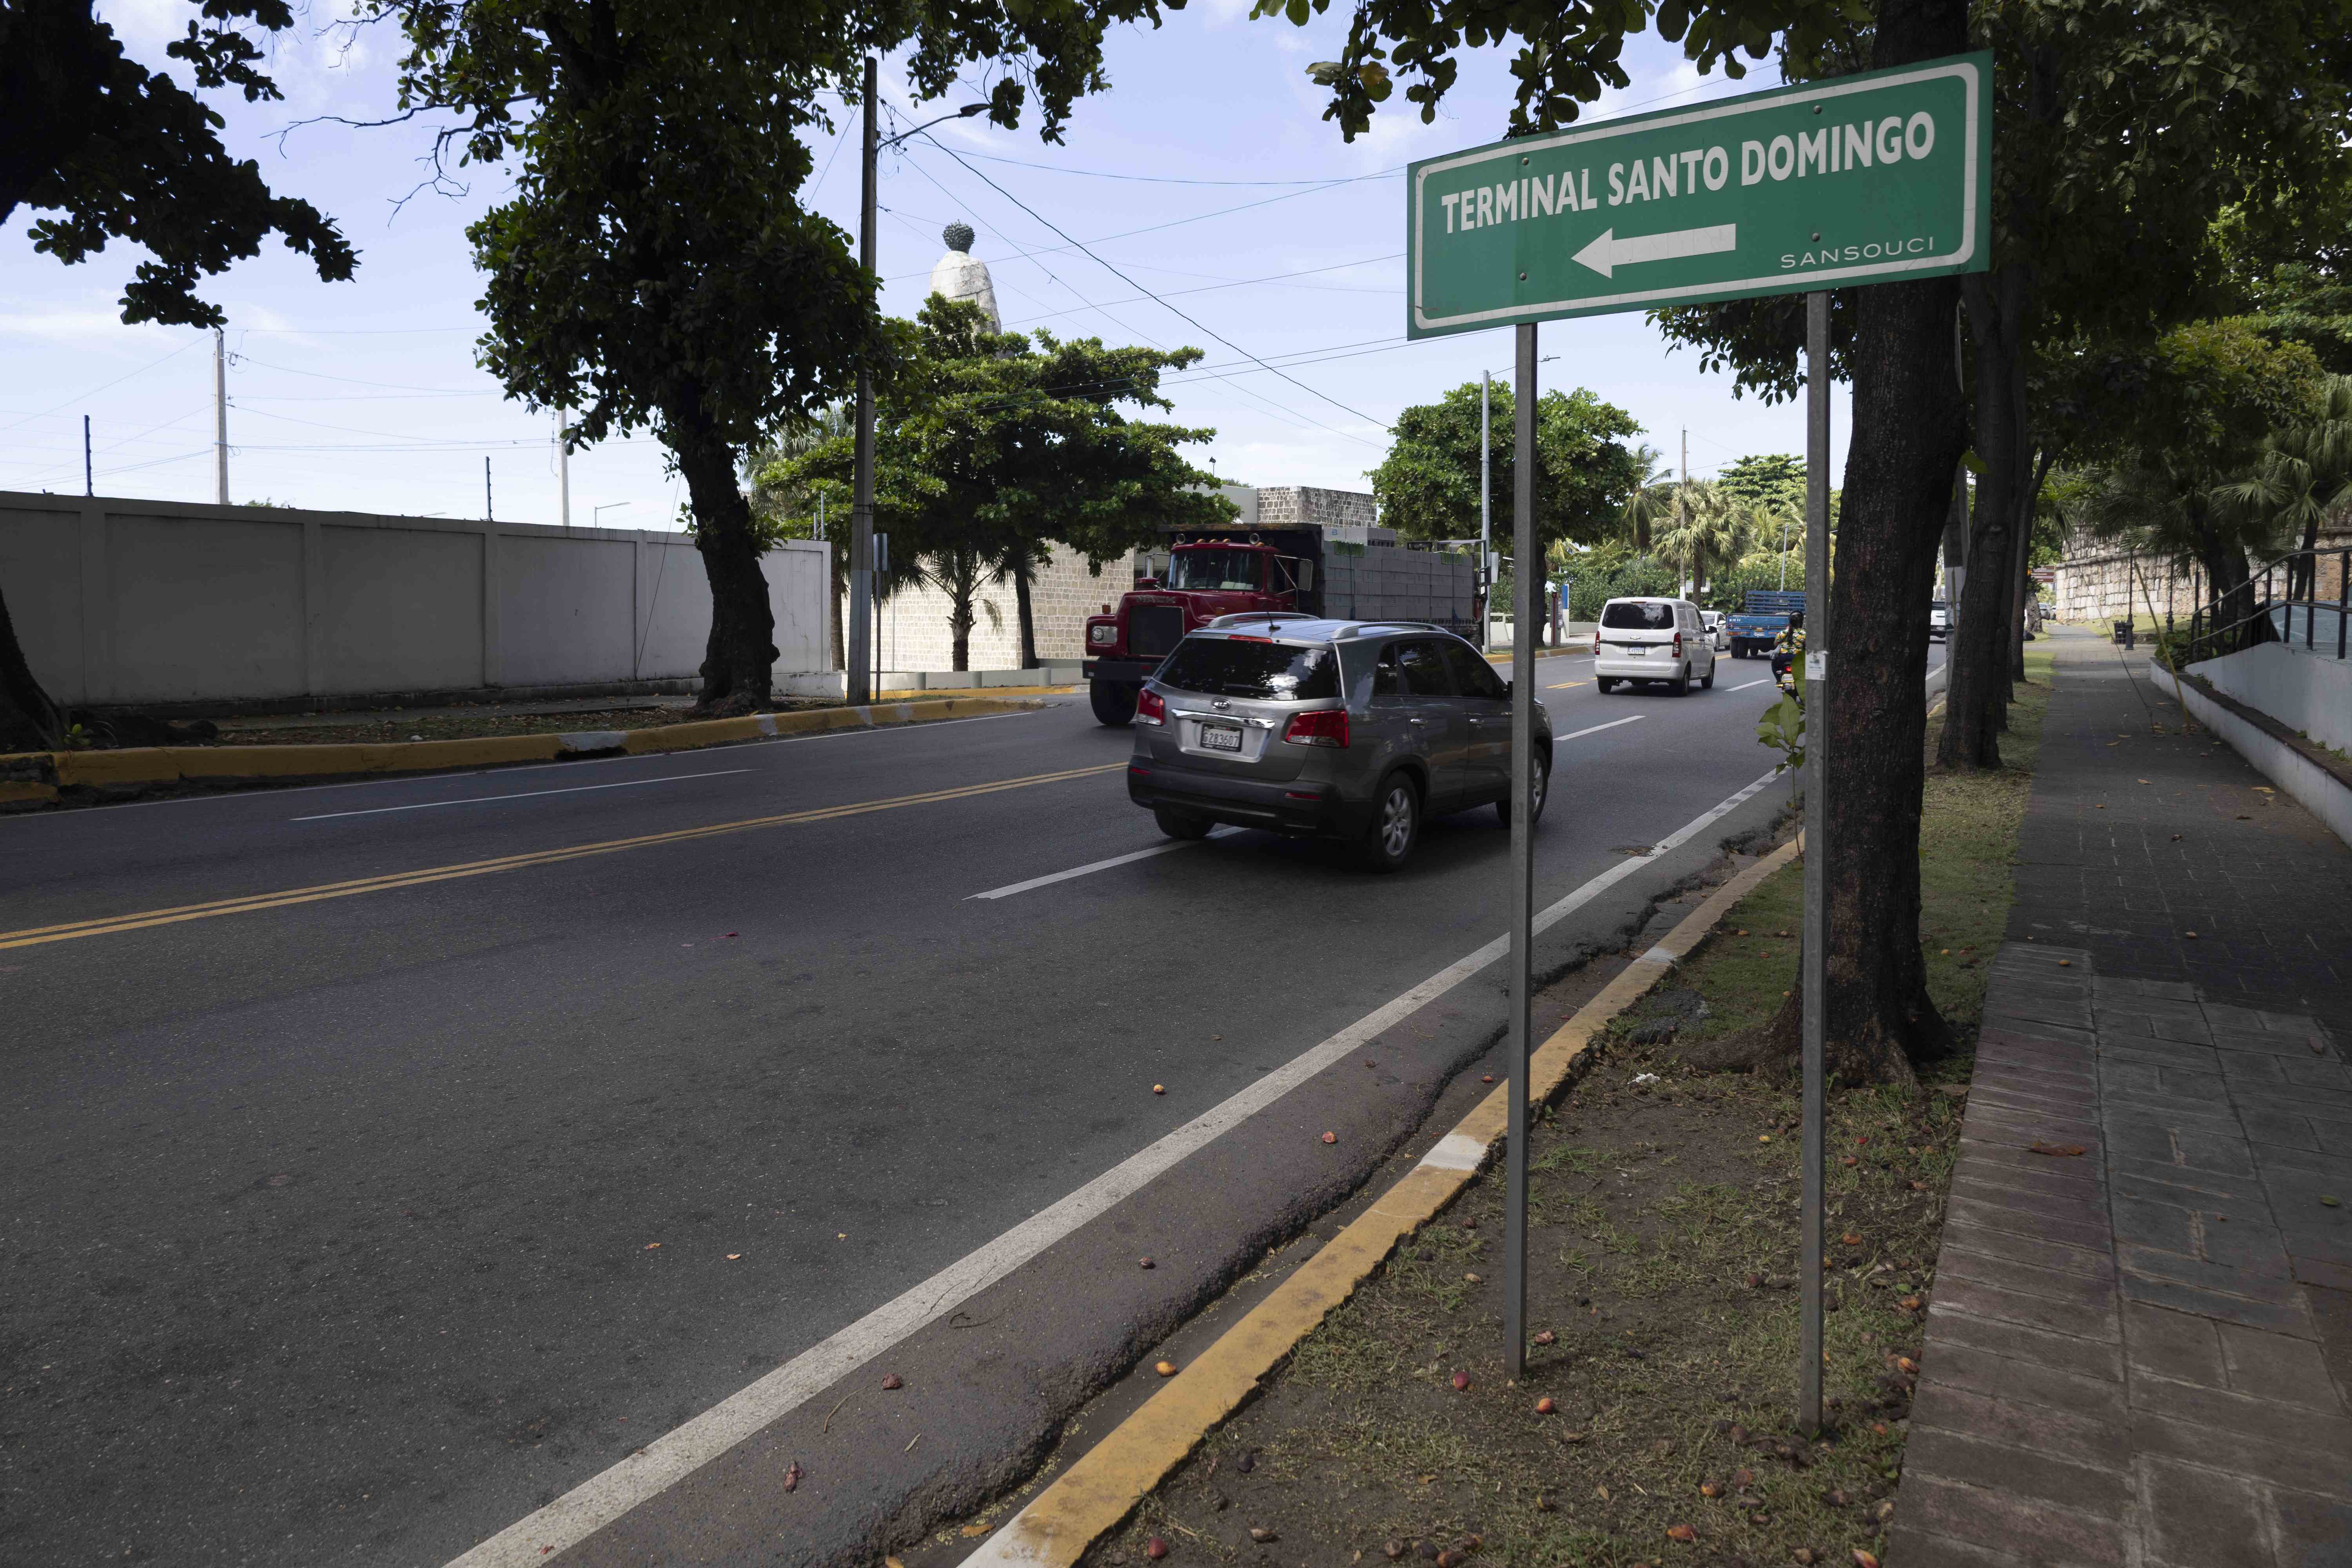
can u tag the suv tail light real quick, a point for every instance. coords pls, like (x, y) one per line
(1323, 727)
(1149, 709)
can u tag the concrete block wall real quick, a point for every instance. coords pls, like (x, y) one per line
(135, 602)
(912, 624)
(2095, 582)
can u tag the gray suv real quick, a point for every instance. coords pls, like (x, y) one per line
(1332, 728)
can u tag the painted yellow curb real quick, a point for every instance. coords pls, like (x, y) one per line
(1095, 1494)
(227, 765)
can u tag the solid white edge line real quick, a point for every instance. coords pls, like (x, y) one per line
(1093, 866)
(1610, 725)
(1754, 684)
(527, 795)
(671, 1458)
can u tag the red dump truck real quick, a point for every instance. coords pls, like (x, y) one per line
(1345, 573)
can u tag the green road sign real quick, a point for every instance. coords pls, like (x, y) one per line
(1856, 179)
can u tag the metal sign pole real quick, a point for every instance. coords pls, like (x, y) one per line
(1815, 968)
(1524, 588)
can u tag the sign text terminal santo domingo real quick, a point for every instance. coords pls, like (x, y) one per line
(1832, 149)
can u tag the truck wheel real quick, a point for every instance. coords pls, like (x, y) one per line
(1180, 823)
(1113, 702)
(1396, 824)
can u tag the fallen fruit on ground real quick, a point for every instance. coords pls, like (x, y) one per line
(1682, 1533)
(1160, 1088)
(1865, 1559)
(1710, 1488)
(1143, 1263)
(1392, 1549)
(893, 1381)
(792, 1475)
(1164, 1368)
(1155, 1549)
(1461, 1380)
(1546, 1406)
(1331, 1137)
(1260, 1535)
(1545, 1337)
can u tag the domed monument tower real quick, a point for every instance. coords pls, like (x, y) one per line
(960, 275)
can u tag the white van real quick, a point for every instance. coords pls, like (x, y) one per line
(1653, 639)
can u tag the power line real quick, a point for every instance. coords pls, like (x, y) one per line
(1253, 282)
(94, 391)
(1178, 180)
(1132, 283)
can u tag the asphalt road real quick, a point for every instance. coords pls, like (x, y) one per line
(357, 1219)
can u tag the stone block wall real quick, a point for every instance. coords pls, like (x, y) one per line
(2095, 582)
(1289, 505)
(912, 624)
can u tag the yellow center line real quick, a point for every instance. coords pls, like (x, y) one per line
(1566, 684)
(36, 936)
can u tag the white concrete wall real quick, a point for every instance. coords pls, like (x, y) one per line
(156, 602)
(2310, 694)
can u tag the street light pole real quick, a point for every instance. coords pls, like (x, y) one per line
(861, 503)
(1485, 548)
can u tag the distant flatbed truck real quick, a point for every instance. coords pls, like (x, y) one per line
(1763, 615)
(1359, 574)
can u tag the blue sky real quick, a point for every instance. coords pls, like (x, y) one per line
(365, 396)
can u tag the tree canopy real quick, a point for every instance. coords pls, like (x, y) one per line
(657, 266)
(990, 447)
(117, 152)
(1428, 483)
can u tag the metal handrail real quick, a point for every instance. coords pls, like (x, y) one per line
(2273, 618)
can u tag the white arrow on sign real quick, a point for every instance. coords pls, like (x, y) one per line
(1608, 253)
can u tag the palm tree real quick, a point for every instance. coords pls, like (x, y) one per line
(1706, 529)
(1652, 498)
(2304, 473)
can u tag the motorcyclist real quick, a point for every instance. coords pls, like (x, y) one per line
(1786, 647)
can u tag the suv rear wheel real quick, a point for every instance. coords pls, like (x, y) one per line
(1540, 791)
(1179, 824)
(1396, 824)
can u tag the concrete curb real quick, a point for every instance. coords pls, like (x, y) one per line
(41, 777)
(1103, 1486)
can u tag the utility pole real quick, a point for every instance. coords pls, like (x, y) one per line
(1486, 550)
(1681, 491)
(88, 478)
(563, 469)
(1814, 951)
(861, 504)
(486, 487)
(220, 418)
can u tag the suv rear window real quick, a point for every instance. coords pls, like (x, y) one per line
(1628, 615)
(1239, 666)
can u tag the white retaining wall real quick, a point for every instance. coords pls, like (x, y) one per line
(163, 602)
(2310, 694)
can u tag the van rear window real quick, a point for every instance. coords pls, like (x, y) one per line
(1627, 615)
(1269, 672)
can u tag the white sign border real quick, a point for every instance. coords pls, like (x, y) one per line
(1777, 282)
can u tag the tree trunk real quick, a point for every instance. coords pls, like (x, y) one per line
(30, 721)
(2029, 496)
(739, 659)
(1908, 431)
(1976, 708)
(1021, 569)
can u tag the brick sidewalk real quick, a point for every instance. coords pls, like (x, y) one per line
(2140, 1355)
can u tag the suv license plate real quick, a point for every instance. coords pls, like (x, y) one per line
(1221, 737)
